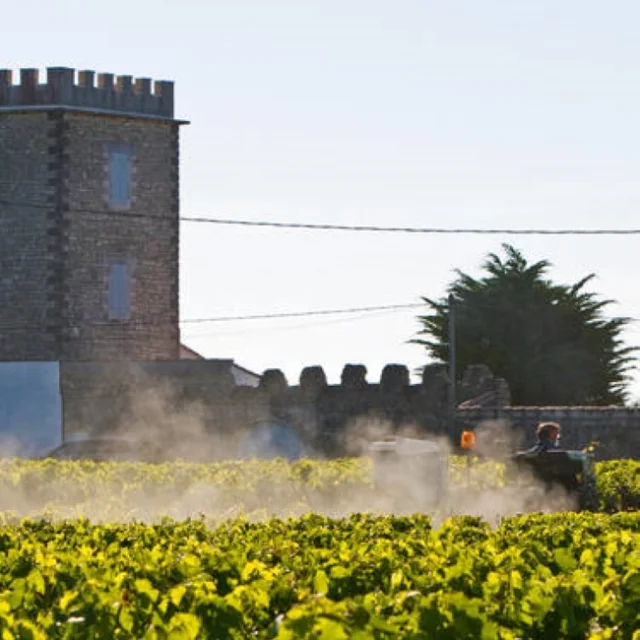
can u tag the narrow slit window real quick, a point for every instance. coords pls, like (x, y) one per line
(120, 166)
(119, 291)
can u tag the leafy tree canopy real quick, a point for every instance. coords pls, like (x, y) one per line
(550, 342)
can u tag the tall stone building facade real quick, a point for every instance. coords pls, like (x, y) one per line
(89, 218)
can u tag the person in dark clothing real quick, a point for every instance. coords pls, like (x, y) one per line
(548, 435)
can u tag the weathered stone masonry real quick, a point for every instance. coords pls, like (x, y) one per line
(335, 420)
(59, 232)
(27, 307)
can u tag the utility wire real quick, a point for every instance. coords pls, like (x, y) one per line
(266, 316)
(305, 314)
(425, 230)
(293, 326)
(322, 227)
(338, 227)
(239, 318)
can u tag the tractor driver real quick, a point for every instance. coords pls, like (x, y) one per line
(548, 434)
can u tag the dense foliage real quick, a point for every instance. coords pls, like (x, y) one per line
(553, 576)
(550, 342)
(618, 484)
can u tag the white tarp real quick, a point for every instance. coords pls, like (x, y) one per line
(30, 408)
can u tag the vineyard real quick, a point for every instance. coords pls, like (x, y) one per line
(219, 565)
(544, 576)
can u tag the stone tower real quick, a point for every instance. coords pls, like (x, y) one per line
(89, 218)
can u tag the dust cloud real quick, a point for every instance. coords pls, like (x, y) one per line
(175, 437)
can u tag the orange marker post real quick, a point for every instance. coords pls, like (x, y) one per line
(467, 442)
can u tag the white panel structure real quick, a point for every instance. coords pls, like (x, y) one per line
(30, 408)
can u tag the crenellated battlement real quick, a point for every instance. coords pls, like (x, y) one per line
(120, 94)
(333, 420)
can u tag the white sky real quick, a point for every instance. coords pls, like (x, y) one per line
(412, 112)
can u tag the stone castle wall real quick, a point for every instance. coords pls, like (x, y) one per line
(146, 234)
(333, 420)
(29, 317)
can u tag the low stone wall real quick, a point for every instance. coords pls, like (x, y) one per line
(616, 430)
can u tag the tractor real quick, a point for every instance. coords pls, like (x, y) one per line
(571, 471)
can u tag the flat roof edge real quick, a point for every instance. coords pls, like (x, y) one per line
(90, 110)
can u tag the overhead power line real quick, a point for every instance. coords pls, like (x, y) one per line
(304, 314)
(262, 316)
(339, 227)
(425, 230)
